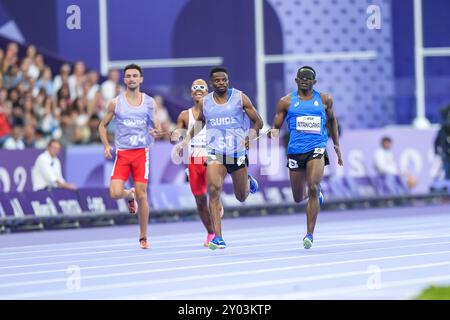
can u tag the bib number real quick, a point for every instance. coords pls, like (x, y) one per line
(309, 124)
(137, 139)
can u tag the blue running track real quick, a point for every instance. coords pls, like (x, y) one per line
(360, 254)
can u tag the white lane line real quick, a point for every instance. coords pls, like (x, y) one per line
(211, 289)
(341, 291)
(284, 281)
(267, 252)
(193, 267)
(244, 233)
(202, 249)
(121, 257)
(334, 226)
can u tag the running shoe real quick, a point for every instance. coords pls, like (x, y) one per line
(321, 197)
(308, 241)
(253, 184)
(143, 243)
(217, 243)
(209, 237)
(132, 203)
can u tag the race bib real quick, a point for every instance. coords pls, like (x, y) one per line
(293, 164)
(309, 124)
(241, 160)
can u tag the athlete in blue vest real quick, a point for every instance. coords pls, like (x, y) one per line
(224, 112)
(308, 114)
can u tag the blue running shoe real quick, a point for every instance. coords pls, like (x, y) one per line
(217, 243)
(253, 184)
(308, 241)
(321, 197)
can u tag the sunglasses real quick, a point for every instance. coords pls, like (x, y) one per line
(201, 87)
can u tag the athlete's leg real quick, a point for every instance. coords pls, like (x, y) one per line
(298, 184)
(119, 176)
(203, 212)
(117, 190)
(240, 183)
(314, 174)
(140, 171)
(215, 174)
(143, 211)
(197, 182)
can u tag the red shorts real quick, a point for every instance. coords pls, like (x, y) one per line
(134, 161)
(197, 175)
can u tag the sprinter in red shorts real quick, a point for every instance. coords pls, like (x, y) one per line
(136, 124)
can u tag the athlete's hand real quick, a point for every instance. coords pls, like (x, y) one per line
(338, 153)
(155, 133)
(179, 148)
(246, 143)
(273, 133)
(108, 150)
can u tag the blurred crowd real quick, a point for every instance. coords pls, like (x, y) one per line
(36, 106)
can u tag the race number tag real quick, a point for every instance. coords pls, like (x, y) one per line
(319, 150)
(309, 124)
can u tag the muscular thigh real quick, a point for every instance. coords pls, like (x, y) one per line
(298, 183)
(215, 174)
(240, 178)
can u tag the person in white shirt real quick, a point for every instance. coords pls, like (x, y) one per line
(15, 141)
(109, 87)
(385, 165)
(46, 172)
(384, 160)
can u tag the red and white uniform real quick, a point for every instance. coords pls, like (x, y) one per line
(197, 158)
(132, 138)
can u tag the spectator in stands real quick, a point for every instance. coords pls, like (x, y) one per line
(384, 159)
(5, 110)
(442, 141)
(61, 78)
(385, 164)
(110, 87)
(29, 136)
(40, 140)
(46, 172)
(91, 85)
(76, 80)
(44, 82)
(15, 141)
(164, 118)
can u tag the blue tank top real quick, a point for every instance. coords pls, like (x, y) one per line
(306, 121)
(226, 125)
(133, 123)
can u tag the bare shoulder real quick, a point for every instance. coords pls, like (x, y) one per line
(112, 105)
(285, 101)
(326, 98)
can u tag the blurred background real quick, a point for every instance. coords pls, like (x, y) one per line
(386, 63)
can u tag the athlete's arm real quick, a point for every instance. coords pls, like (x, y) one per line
(250, 109)
(102, 128)
(193, 131)
(156, 132)
(280, 115)
(181, 124)
(332, 126)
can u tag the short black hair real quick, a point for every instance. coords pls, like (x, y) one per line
(53, 140)
(386, 139)
(217, 69)
(133, 66)
(308, 68)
